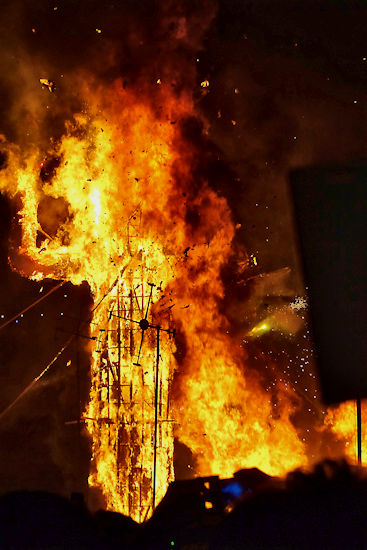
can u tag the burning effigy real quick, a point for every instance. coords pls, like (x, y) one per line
(118, 199)
(127, 210)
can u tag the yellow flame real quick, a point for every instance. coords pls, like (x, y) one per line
(123, 195)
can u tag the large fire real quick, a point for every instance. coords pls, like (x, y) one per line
(115, 203)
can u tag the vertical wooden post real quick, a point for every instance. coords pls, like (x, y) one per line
(156, 393)
(359, 431)
(118, 348)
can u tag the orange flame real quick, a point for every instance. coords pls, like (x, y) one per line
(120, 209)
(343, 422)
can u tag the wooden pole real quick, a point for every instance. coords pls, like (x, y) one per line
(156, 418)
(359, 431)
(118, 348)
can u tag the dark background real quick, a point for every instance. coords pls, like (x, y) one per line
(331, 208)
(287, 89)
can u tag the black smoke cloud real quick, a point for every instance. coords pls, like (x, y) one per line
(137, 42)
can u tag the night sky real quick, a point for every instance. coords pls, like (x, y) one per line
(287, 88)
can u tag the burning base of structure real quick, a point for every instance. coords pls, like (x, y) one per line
(129, 410)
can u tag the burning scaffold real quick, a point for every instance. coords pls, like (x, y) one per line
(129, 410)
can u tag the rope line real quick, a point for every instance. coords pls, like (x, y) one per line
(29, 387)
(31, 305)
(35, 380)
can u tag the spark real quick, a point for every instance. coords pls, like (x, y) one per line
(259, 329)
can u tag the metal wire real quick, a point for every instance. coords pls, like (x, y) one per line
(35, 380)
(31, 305)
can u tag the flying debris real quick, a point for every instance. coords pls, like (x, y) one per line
(50, 84)
(253, 259)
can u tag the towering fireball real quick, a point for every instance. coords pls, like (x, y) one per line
(116, 202)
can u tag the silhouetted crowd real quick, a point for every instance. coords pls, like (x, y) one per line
(325, 508)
